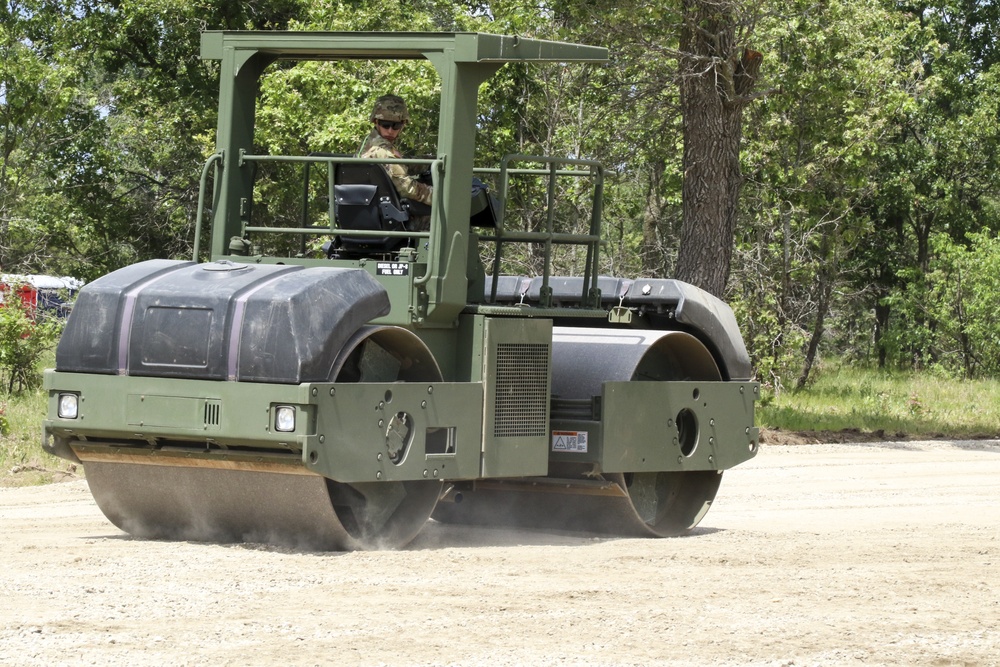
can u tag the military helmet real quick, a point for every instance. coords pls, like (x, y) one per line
(390, 107)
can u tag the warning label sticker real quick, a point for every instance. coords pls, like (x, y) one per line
(569, 441)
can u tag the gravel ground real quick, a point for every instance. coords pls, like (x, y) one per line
(860, 554)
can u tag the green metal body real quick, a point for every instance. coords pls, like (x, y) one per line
(491, 415)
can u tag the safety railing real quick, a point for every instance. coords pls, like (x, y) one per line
(502, 236)
(332, 230)
(549, 237)
(436, 166)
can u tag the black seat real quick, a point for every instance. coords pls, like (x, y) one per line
(483, 210)
(366, 199)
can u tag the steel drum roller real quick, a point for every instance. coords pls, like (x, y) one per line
(178, 498)
(647, 503)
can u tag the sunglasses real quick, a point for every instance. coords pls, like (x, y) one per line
(389, 125)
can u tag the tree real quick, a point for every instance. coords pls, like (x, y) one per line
(43, 113)
(815, 147)
(717, 76)
(941, 167)
(145, 113)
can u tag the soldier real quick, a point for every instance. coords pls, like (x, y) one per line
(389, 116)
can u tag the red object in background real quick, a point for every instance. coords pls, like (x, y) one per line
(47, 294)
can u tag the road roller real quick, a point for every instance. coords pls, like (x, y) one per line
(336, 380)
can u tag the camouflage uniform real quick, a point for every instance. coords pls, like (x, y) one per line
(393, 108)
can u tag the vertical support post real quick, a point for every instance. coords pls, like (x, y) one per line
(447, 288)
(239, 75)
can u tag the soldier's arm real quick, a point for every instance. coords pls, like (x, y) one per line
(407, 186)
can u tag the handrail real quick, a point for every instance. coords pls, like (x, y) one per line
(437, 169)
(331, 160)
(595, 169)
(592, 240)
(536, 172)
(554, 167)
(326, 231)
(217, 157)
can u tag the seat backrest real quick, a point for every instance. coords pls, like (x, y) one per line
(483, 211)
(366, 199)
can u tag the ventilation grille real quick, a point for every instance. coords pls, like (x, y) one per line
(212, 410)
(522, 394)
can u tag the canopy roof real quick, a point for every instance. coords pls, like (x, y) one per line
(462, 47)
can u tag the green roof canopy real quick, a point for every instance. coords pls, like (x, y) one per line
(464, 47)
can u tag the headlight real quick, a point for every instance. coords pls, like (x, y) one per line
(69, 406)
(284, 418)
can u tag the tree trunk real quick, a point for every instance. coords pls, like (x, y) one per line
(882, 311)
(653, 259)
(716, 80)
(825, 278)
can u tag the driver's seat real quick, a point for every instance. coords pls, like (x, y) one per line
(366, 199)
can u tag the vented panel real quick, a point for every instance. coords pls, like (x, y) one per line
(212, 412)
(522, 402)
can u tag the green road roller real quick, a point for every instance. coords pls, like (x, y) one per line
(333, 382)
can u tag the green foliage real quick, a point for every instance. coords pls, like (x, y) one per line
(107, 113)
(938, 171)
(946, 318)
(22, 461)
(879, 134)
(774, 344)
(838, 83)
(25, 337)
(42, 77)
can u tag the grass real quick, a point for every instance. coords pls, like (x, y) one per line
(22, 460)
(842, 398)
(895, 403)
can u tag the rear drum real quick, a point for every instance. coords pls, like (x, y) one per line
(660, 504)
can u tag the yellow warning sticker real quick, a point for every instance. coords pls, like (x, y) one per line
(569, 441)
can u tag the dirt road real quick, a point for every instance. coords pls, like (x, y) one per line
(812, 555)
